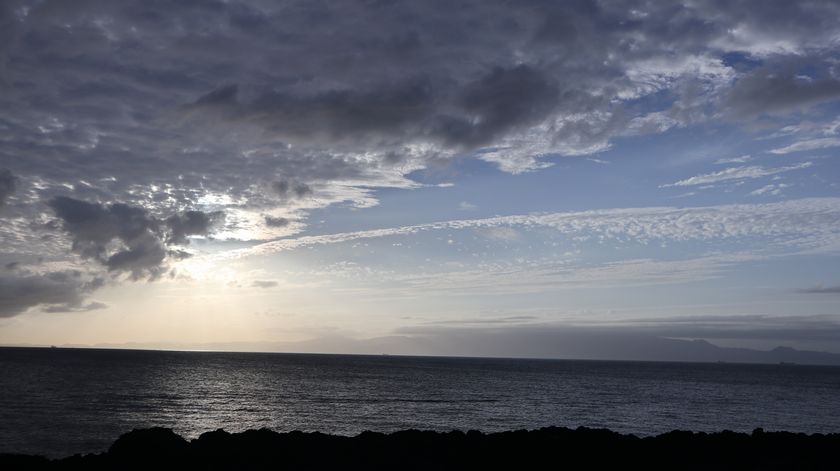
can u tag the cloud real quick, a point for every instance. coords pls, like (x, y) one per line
(489, 320)
(286, 189)
(810, 222)
(57, 291)
(773, 91)
(263, 284)
(774, 189)
(414, 109)
(552, 276)
(832, 128)
(191, 223)
(736, 173)
(273, 221)
(8, 183)
(501, 100)
(248, 110)
(501, 233)
(734, 160)
(210, 115)
(820, 290)
(810, 144)
(125, 238)
(91, 306)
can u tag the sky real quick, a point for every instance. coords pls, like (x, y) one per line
(282, 175)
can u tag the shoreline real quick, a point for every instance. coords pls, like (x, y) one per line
(587, 448)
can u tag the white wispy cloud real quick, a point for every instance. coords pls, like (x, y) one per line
(810, 144)
(810, 222)
(735, 173)
(772, 189)
(553, 276)
(832, 128)
(734, 160)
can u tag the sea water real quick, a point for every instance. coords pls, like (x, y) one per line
(57, 402)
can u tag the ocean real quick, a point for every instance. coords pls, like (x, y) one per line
(58, 402)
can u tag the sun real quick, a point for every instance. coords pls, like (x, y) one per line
(202, 268)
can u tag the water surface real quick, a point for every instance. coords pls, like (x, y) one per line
(58, 402)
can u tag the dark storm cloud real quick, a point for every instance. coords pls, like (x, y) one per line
(501, 100)
(94, 226)
(59, 291)
(125, 238)
(464, 115)
(773, 91)
(346, 115)
(191, 223)
(8, 183)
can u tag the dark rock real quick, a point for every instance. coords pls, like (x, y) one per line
(552, 447)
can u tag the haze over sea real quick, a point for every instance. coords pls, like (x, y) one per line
(57, 402)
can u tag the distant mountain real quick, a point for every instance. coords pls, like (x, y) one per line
(577, 345)
(704, 351)
(569, 343)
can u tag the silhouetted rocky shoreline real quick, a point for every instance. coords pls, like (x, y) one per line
(546, 448)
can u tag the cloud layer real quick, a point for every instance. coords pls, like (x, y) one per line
(812, 223)
(128, 128)
(254, 105)
(736, 173)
